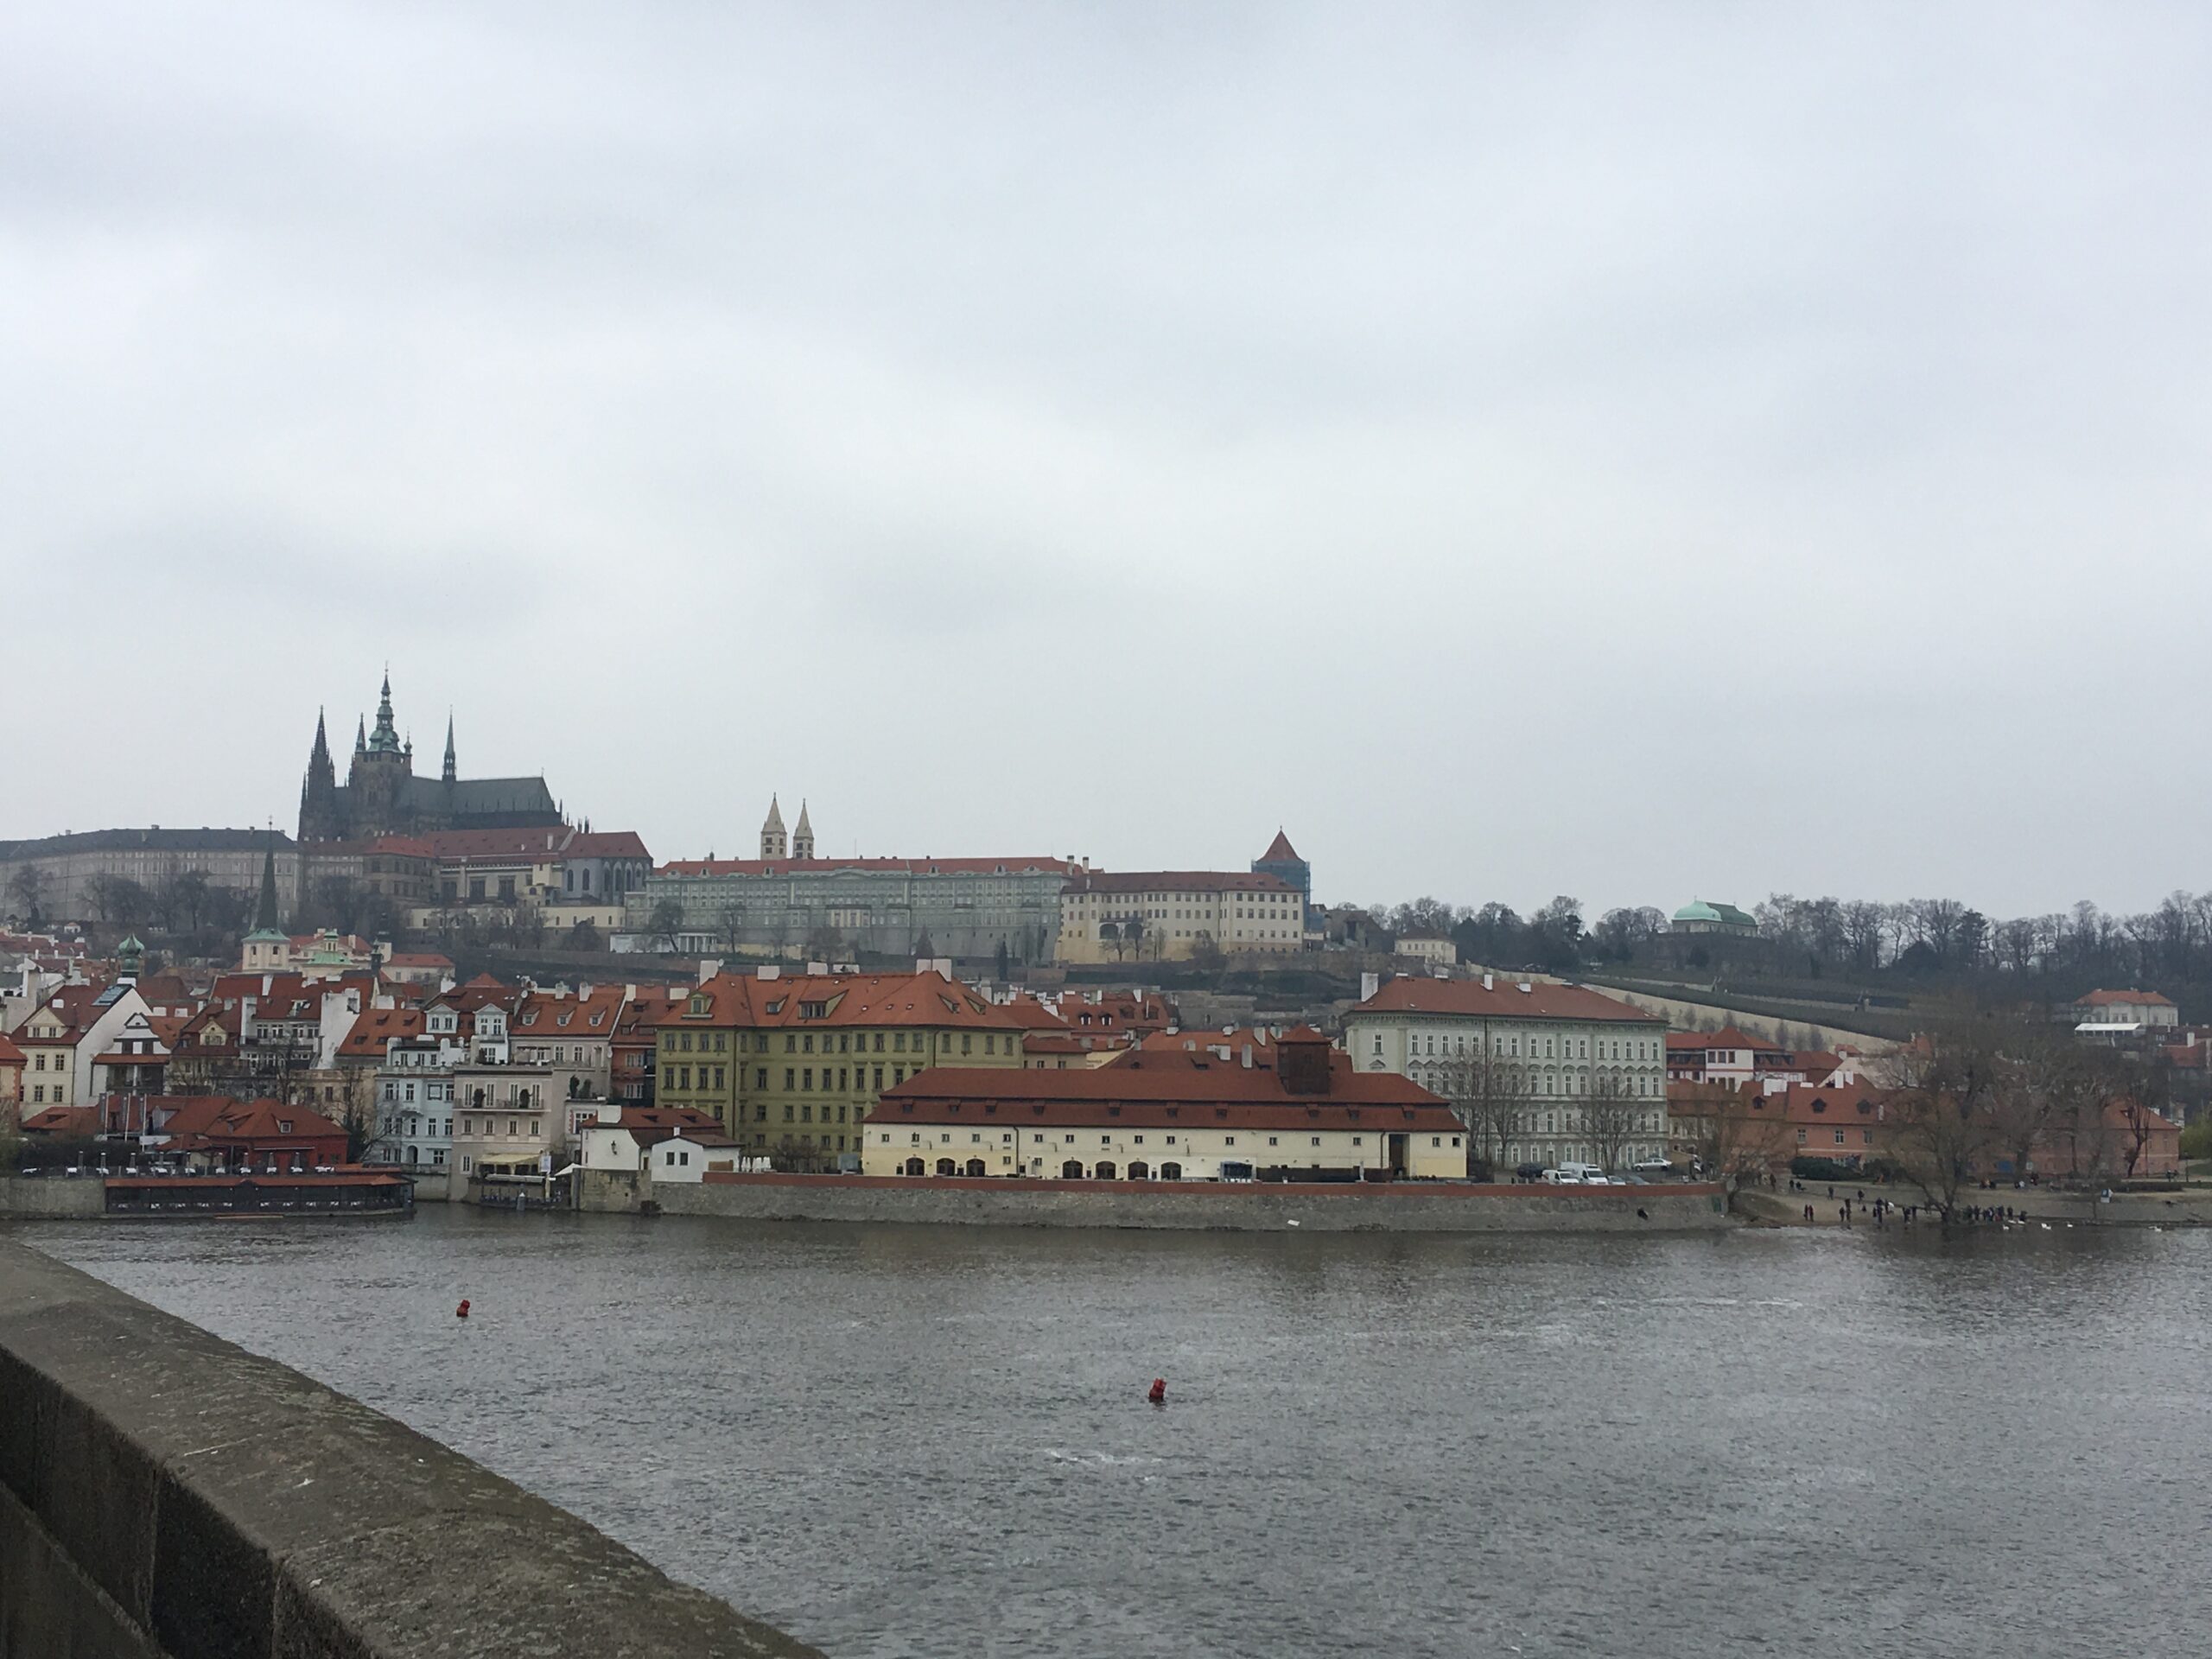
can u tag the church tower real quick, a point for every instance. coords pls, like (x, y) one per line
(319, 792)
(802, 837)
(376, 788)
(771, 832)
(451, 772)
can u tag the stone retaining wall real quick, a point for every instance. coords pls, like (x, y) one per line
(163, 1493)
(52, 1195)
(1440, 1207)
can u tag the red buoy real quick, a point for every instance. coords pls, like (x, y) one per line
(1159, 1395)
(462, 1312)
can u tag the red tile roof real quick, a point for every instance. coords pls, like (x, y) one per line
(1174, 1077)
(1109, 882)
(70, 1122)
(2106, 999)
(1726, 1037)
(649, 1125)
(1280, 851)
(1031, 1015)
(910, 866)
(543, 1014)
(10, 1054)
(204, 1118)
(375, 1028)
(1541, 1000)
(418, 959)
(927, 998)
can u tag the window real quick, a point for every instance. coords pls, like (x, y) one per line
(760, 1076)
(787, 1077)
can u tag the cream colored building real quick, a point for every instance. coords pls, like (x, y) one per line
(1431, 948)
(1173, 915)
(505, 1117)
(1168, 1116)
(1541, 1072)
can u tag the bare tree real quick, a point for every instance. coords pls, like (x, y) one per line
(1731, 1136)
(1941, 1126)
(1612, 1118)
(26, 887)
(1486, 1093)
(667, 918)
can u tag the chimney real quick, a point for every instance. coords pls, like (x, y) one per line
(1489, 982)
(1370, 983)
(1302, 1062)
(1248, 1057)
(766, 971)
(708, 967)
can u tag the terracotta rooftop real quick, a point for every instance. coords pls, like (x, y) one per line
(1504, 1000)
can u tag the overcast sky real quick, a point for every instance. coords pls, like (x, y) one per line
(1636, 451)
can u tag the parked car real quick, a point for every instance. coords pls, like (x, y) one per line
(1652, 1167)
(1529, 1172)
(1572, 1174)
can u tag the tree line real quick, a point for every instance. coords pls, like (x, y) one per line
(1821, 937)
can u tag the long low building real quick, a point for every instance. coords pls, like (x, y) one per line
(1172, 1116)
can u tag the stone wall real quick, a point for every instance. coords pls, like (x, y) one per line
(163, 1493)
(52, 1195)
(1200, 1206)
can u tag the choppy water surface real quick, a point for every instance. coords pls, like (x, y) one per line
(908, 1442)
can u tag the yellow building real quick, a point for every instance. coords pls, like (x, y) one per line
(1173, 915)
(792, 1065)
(1169, 1116)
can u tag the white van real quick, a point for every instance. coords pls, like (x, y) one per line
(1582, 1175)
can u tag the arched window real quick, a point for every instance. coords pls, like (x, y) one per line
(1072, 1171)
(1171, 1171)
(945, 1167)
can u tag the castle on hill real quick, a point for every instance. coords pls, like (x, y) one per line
(382, 796)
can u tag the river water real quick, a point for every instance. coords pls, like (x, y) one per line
(898, 1441)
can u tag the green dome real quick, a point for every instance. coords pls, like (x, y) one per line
(1697, 911)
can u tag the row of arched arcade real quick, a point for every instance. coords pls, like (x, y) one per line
(1073, 1170)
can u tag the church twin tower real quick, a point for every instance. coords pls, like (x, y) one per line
(775, 844)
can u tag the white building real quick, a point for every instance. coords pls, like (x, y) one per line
(414, 1103)
(1432, 948)
(2101, 1008)
(671, 1143)
(1541, 1072)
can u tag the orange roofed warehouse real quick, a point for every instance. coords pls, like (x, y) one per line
(1173, 1117)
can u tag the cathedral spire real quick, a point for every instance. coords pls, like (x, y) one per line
(384, 740)
(803, 835)
(771, 831)
(264, 915)
(449, 773)
(361, 735)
